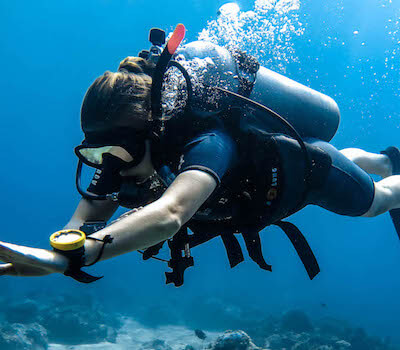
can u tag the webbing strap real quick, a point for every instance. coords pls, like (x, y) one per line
(303, 249)
(233, 249)
(253, 245)
(200, 235)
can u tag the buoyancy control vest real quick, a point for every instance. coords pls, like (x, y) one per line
(210, 78)
(310, 113)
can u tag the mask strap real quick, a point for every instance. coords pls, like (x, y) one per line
(78, 182)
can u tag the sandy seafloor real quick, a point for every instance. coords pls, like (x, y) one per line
(133, 335)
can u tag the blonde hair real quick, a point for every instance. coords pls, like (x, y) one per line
(126, 91)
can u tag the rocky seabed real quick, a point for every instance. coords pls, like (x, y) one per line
(29, 325)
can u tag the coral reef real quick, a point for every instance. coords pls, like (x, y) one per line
(66, 319)
(75, 325)
(18, 336)
(296, 321)
(233, 340)
(295, 331)
(67, 322)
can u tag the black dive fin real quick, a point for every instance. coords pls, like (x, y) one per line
(302, 248)
(395, 215)
(81, 276)
(394, 155)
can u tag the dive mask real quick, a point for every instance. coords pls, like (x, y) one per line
(95, 156)
(115, 151)
(129, 149)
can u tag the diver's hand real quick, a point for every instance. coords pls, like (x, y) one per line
(25, 261)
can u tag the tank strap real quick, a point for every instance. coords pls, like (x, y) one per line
(247, 67)
(253, 244)
(233, 249)
(302, 247)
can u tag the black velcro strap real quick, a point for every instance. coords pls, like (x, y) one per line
(233, 249)
(75, 262)
(81, 276)
(304, 251)
(253, 244)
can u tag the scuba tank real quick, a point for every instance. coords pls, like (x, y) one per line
(310, 112)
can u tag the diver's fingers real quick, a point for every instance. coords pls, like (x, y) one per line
(22, 270)
(7, 269)
(37, 258)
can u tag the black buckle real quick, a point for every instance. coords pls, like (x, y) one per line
(180, 257)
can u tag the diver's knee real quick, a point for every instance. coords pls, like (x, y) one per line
(371, 213)
(380, 203)
(354, 154)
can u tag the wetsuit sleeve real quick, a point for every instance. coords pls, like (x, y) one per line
(213, 152)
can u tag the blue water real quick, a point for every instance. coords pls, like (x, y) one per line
(51, 51)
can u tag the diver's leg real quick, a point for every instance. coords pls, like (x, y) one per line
(372, 163)
(387, 196)
(347, 189)
(387, 191)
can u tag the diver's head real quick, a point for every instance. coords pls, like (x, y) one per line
(116, 115)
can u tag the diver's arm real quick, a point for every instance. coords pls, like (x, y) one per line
(154, 223)
(26, 261)
(91, 210)
(157, 221)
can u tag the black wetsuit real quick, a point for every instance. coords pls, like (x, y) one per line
(346, 190)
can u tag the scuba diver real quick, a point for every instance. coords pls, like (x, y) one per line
(200, 141)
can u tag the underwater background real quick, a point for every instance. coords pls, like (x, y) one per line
(51, 51)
